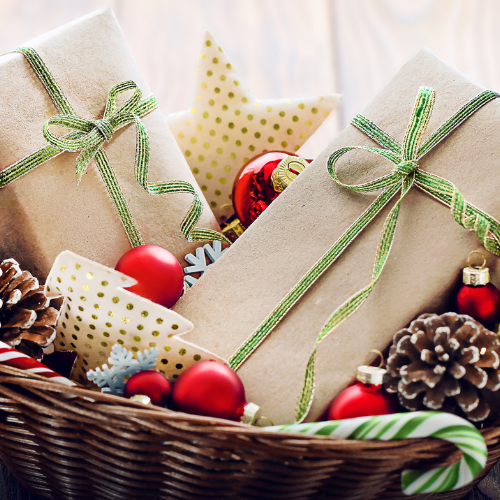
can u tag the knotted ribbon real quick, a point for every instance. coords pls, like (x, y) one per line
(89, 136)
(405, 175)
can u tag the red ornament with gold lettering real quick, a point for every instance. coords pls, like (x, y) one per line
(261, 180)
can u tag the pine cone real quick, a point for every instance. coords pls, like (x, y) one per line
(448, 363)
(27, 315)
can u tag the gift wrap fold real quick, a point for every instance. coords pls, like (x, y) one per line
(420, 176)
(87, 161)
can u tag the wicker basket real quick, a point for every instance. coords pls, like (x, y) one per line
(101, 447)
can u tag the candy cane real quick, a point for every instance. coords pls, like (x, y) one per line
(418, 424)
(13, 357)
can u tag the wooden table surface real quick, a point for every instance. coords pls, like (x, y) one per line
(488, 489)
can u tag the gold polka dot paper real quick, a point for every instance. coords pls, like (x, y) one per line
(98, 313)
(227, 125)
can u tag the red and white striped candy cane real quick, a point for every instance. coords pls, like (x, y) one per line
(12, 357)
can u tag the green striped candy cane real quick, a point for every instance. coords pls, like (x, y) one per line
(420, 424)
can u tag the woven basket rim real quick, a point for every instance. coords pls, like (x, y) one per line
(113, 405)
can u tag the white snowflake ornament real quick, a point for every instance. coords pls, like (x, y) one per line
(98, 313)
(123, 365)
(199, 263)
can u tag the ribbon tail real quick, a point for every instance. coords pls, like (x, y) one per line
(464, 213)
(351, 305)
(268, 325)
(188, 228)
(84, 159)
(119, 201)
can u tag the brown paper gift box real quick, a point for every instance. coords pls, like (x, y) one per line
(430, 248)
(46, 211)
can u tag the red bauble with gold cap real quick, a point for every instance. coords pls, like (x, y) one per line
(261, 180)
(365, 398)
(478, 297)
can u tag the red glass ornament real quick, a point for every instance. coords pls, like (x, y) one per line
(362, 400)
(477, 297)
(365, 398)
(480, 302)
(253, 188)
(159, 275)
(149, 383)
(210, 389)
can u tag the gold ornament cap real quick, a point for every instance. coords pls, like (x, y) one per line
(287, 171)
(372, 374)
(141, 398)
(475, 275)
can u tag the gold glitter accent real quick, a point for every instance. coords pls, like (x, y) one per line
(130, 306)
(125, 320)
(63, 268)
(137, 338)
(123, 332)
(78, 266)
(182, 351)
(104, 283)
(100, 294)
(197, 357)
(85, 288)
(167, 348)
(155, 333)
(159, 321)
(144, 314)
(109, 325)
(111, 314)
(70, 289)
(175, 327)
(89, 276)
(115, 300)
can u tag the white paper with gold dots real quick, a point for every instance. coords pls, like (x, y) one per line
(98, 312)
(227, 125)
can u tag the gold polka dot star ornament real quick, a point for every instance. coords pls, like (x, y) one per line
(98, 313)
(227, 125)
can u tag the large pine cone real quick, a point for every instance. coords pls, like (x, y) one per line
(448, 363)
(27, 315)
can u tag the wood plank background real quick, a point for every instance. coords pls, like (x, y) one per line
(285, 48)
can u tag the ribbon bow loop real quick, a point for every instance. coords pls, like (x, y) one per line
(88, 136)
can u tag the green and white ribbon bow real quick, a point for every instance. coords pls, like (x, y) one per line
(420, 424)
(89, 136)
(405, 175)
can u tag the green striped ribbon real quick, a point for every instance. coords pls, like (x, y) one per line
(412, 425)
(405, 175)
(88, 138)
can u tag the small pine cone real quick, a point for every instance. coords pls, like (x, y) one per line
(447, 363)
(27, 316)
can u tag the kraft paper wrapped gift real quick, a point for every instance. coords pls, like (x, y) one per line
(48, 210)
(242, 288)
